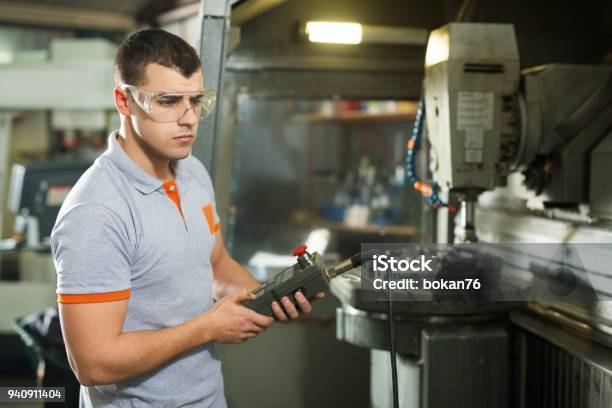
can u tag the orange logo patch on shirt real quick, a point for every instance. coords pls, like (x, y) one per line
(210, 218)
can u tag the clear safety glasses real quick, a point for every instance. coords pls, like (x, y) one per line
(171, 106)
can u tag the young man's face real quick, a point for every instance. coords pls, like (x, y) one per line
(167, 140)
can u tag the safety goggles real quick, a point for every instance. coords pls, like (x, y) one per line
(171, 106)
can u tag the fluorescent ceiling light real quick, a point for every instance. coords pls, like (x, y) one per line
(330, 32)
(355, 33)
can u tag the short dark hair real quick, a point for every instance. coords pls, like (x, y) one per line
(149, 46)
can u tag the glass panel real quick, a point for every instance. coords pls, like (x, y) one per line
(334, 167)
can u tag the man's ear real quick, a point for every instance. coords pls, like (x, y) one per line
(121, 101)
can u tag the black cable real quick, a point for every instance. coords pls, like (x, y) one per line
(392, 348)
(355, 261)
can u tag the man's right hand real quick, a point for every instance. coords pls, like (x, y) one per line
(230, 322)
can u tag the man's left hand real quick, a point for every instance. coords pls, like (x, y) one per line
(288, 311)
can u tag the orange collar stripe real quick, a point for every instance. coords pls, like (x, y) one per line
(173, 194)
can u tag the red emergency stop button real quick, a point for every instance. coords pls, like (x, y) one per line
(299, 251)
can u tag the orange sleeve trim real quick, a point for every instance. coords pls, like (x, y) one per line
(94, 297)
(210, 218)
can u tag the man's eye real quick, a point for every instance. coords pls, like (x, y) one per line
(168, 101)
(196, 100)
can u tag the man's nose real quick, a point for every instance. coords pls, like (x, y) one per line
(189, 117)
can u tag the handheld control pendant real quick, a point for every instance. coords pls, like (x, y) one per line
(309, 276)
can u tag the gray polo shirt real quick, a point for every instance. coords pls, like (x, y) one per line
(122, 234)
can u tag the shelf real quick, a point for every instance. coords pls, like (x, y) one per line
(405, 230)
(357, 117)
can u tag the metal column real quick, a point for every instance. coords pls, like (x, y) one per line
(213, 47)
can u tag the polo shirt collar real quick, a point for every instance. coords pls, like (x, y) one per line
(138, 177)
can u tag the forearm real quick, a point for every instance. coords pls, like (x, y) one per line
(132, 354)
(231, 277)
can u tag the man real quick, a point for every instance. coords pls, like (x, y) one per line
(138, 251)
